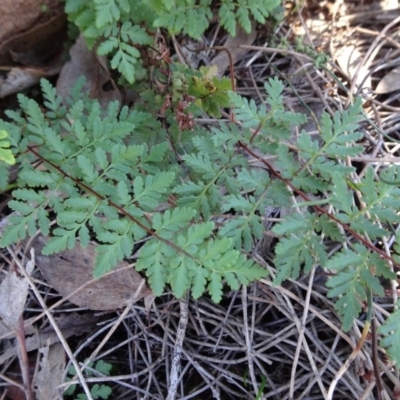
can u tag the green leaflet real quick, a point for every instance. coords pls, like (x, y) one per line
(150, 191)
(6, 154)
(171, 222)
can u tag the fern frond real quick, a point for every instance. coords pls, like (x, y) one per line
(354, 277)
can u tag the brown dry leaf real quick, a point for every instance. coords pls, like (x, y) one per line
(71, 269)
(50, 374)
(349, 57)
(390, 82)
(70, 325)
(221, 60)
(99, 84)
(13, 293)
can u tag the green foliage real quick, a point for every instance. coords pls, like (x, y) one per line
(187, 16)
(356, 268)
(210, 92)
(97, 391)
(270, 119)
(188, 202)
(202, 90)
(121, 28)
(101, 182)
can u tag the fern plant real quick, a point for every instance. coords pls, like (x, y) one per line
(119, 28)
(189, 203)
